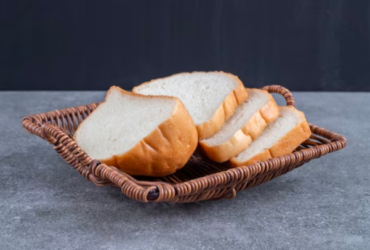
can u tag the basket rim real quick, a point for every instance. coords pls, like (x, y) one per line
(101, 174)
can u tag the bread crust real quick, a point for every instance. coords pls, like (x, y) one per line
(224, 111)
(164, 150)
(245, 135)
(285, 145)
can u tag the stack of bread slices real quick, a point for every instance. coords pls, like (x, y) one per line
(154, 129)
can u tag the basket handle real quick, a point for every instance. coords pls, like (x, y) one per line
(64, 145)
(282, 91)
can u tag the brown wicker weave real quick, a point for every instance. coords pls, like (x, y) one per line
(199, 180)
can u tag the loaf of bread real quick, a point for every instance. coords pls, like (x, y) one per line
(155, 130)
(141, 135)
(245, 125)
(210, 97)
(280, 137)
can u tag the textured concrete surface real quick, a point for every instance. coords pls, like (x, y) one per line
(45, 204)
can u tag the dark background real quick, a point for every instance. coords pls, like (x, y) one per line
(91, 45)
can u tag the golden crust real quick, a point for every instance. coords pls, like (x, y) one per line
(163, 151)
(231, 102)
(226, 109)
(245, 135)
(233, 146)
(285, 145)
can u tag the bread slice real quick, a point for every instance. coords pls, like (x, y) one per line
(279, 138)
(141, 135)
(209, 97)
(245, 125)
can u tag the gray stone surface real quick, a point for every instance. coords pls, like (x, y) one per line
(45, 204)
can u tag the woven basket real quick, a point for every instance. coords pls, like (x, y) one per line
(199, 180)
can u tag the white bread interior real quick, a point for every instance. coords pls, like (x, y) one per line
(121, 122)
(141, 135)
(280, 137)
(243, 113)
(248, 121)
(209, 97)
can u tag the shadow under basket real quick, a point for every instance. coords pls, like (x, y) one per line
(200, 179)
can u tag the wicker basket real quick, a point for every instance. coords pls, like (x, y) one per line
(199, 180)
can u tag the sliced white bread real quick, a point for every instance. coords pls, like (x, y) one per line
(141, 135)
(245, 125)
(279, 138)
(210, 97)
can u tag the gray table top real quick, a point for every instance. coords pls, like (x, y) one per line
(45, 204)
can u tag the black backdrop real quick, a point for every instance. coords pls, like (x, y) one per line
(88, 45)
